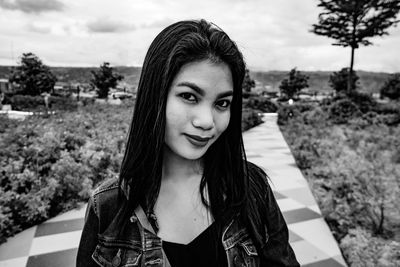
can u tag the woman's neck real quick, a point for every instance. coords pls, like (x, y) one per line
(178, 169)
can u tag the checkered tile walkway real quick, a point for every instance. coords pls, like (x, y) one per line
(55, 242)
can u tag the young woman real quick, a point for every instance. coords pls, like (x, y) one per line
(186, 195)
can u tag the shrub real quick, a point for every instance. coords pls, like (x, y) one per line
(343, 110)
(36, 103)
(387, 108)
(87, 100)
(316, 117)
(362, 249)
(27, 102)
(62, 103)
(363, 101)
(287, 112)
(250, 118)
(24, 199)
(338, 80)
(391, 88)
(73, 183)
(292, 85)
(261, 103)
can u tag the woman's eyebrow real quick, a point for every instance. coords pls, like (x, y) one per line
(201, 92)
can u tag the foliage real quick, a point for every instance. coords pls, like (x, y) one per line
(363, 249)
(354, 174)
(338, 80)
(50, 164)
(36, 103)
(32, 76)
(343, 110)
(104, 79)
(288, 112)
(248, 82)
(260, 103)
(353, 23)
(364, 102)
(292, 85)
(250, 118)
(391, 88)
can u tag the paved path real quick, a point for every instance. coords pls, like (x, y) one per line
(55, 242)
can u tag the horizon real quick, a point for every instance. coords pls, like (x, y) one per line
(252, 70)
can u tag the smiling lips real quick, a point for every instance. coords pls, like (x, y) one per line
(197, 140)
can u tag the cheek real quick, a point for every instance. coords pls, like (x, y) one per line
(223, 122)
(175, 117)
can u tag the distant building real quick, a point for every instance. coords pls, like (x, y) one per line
(6, 86)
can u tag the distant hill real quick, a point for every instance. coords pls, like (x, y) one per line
(370, 82)
(83, 74)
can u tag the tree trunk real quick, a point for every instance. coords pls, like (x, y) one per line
(350, 76)
(353, 46)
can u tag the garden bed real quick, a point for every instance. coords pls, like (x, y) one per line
(351, 160)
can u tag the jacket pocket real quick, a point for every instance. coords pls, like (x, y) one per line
(249, 248)
(248, 255)
(115, 256)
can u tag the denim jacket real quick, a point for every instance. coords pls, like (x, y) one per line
(112, 236)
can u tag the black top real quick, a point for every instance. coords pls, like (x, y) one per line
(204, 250)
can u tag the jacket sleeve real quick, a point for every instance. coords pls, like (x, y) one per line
(277, 250)
(88, 241)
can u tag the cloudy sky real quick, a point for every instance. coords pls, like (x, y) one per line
(273, 35)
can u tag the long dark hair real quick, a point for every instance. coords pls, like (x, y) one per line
(225, 166)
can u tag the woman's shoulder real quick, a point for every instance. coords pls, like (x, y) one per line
(256, 174)
(258, 181)
(105, 196)
(108, 186)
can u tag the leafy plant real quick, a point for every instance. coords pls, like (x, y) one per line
(32, 76)
(338, 80)
(391, 88)
(343, 110)
(104, 79)
(291, 86)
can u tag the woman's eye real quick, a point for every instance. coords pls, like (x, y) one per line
(223, 104)
(189, 97)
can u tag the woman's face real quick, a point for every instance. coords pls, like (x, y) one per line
(198, 108)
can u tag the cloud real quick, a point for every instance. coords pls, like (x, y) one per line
(39, 28)
(29, 6)
(158, 23)
(106, 25)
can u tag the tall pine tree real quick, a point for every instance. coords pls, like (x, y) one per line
(353, 22)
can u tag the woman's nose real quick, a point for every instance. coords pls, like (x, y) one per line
(203, 119)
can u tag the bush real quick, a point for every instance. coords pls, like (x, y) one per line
(343, 110)
(36, 103)
(27, 102)
(293, 84)
(391, 88)
(261, 103)
(338, 80)
(287, 112)
(362, 249)
(250, 118)
(354, 176)
(73, 182)
(363, 101)
(387, 108)
(62, 103)
(316, 117)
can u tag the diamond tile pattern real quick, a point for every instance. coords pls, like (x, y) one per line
(55, 242)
